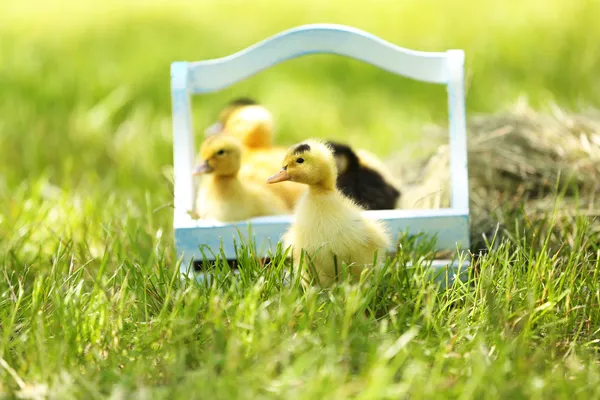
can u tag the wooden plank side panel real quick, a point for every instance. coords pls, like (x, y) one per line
(458, 130)
(183, 140)
(451, 230)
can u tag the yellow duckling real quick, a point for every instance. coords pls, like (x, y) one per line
(326, 223)
(247, 120)
(252, 124)
(222, 195)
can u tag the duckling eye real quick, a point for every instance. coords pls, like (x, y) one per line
(299, 160)
(220, 152)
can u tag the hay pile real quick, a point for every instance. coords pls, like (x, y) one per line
(518, 158)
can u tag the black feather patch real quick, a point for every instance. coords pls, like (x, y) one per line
(342, 150)
(302, 148)
(362, 184)
(243, 101)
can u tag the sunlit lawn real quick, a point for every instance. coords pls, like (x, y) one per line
(90, 301)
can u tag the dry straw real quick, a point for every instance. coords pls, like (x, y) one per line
(517, 159)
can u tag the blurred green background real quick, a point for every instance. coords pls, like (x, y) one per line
(85, 103)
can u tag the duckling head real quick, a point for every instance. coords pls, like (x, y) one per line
(233, 106)
(310, 162)
(220, 155)
(345, 158)
(247, 120)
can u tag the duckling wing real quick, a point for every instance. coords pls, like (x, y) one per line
(378, 235)
(263, 202)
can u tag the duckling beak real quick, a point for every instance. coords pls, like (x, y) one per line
(202, 168)
(281, 176)
(213, 129)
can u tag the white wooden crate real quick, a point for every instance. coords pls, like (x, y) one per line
(450, 225)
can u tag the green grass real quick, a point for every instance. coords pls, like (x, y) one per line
(101, 311)
(90, 301)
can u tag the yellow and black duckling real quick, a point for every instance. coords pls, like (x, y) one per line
(362, 183)
(250, 122)
(225, 197)
(329, 227)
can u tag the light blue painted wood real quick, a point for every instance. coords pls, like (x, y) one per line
(212, 75)
(183, 141)
(458, 130)
(450, 225)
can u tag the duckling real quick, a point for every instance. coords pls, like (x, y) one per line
(222, 195)
(362, 183)
(250, 122)
(246, 119)
(370, 160)
(328, 226)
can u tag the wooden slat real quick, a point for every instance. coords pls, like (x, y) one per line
(450, 227)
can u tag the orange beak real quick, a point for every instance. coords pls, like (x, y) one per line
(202, 168)
(281, 176)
